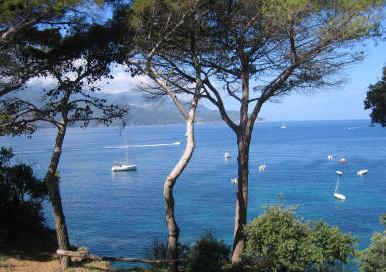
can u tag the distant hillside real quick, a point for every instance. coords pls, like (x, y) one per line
(145, 111)
(138, 115)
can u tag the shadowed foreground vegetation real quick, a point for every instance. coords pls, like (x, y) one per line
(22, 224)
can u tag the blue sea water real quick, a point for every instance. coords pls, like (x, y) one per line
(122, 213)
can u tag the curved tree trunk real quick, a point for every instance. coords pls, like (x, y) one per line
(173, 230)
(241, 200)
(52, 183)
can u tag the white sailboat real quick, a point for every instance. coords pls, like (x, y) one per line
(124, 165)
(336, 192)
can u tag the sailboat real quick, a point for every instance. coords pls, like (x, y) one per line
(124, 165)
(336, 192)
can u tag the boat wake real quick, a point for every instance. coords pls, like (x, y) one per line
(29, 152)
(104, 147)
(44, 151)
(140, 145)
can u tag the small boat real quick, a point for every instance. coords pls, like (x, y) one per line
(124, 165)
(338, 195)
(283, 126)
(362, 172)
(330, 157)
(343, 160)
(227, 155)
(262, 167)
(177, 143)
(234, 180)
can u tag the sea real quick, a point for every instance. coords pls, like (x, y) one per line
(122, 214)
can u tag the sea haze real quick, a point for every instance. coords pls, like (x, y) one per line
(122, 213)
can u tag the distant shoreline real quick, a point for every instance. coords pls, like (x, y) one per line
(212, 123)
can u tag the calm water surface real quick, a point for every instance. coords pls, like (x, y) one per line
(122, 213)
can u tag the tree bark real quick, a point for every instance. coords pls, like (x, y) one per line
(243, 142)
(173, 230)
(52, 183)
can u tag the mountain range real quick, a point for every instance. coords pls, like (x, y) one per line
(147, 111)
(143, 110)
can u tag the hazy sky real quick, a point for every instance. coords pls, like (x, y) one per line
(345, 102)
(342, 103)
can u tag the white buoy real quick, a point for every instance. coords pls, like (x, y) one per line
(227, 155)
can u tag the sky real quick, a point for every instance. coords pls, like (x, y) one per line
(343, 103)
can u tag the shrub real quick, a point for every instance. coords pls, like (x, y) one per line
(157, 251)
(207, 255)
(22, 224)
(373, 258)
(278, 241)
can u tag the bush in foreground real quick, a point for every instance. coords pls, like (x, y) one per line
(207, 255)
(278, 241)
(374, 257)
(22, 225)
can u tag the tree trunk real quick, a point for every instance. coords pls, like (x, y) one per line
(241, 199)
(52, 183)
(173, 230)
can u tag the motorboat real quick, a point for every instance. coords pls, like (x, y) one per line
(343, 160)
(362, 172)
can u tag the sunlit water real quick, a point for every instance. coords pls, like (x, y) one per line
(121, 214)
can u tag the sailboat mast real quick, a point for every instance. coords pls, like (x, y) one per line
(127, 157)
(337, 184)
